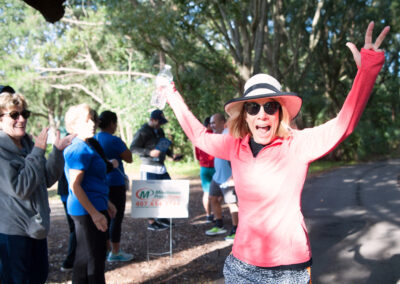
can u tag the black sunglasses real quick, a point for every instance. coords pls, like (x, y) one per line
(253, 108)
(15, 114)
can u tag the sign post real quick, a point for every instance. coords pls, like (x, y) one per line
(160, 199)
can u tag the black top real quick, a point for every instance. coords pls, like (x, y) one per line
(255, 147)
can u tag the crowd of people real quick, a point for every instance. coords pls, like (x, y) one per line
(254, 162)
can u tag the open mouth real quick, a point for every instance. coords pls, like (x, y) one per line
(263, 128)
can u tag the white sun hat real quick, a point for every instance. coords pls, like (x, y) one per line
(265, 86)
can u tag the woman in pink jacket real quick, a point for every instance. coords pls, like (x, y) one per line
(269, 163)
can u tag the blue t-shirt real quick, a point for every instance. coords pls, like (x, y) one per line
(222, 167)
(113, 147)
(80, 156)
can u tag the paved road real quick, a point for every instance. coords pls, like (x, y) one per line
(353, 217)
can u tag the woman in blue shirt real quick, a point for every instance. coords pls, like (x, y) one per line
(87, 201)
(115, 148)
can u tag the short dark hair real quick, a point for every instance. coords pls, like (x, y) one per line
(106, 118)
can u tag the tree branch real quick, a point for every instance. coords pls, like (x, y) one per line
(81, 23)
(93, 72)
(81, 87)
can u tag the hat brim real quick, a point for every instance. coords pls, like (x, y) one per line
(290, 101)
(163, 120)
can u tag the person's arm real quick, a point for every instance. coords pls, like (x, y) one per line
(20, 177)
(138, 144)
(127, 156)
(76, 177)
(55, 162)
(316, 142)
(217, 145)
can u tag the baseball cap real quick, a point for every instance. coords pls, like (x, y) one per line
(7, 89)
(159, 115)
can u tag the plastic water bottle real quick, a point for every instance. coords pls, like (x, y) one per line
(163, 81)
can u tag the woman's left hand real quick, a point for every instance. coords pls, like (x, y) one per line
(62, 143)
(368, 42)
(112, 210)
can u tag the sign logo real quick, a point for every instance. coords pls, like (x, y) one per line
(144, 193)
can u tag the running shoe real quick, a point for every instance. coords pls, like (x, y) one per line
(120, 256)
(155, 226)
(66, 268)
(230, 238)
(165, 222)
(215, 231)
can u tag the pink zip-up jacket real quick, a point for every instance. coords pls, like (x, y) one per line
(271, 230)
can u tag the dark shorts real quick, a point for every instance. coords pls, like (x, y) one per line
(237, 271)
(228, 193)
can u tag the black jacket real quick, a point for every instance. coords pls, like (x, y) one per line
(145, 140)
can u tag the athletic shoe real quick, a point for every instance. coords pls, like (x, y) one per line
(215, 231)
(210, 219)
(120, 256)
(66, 268)
(155, 226)
(230, 238)
(165, 222)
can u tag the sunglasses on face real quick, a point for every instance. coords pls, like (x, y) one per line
(253, 108)
(15, 114)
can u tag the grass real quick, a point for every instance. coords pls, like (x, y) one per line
(323, 166)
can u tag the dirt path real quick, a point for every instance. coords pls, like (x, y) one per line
(196, 258)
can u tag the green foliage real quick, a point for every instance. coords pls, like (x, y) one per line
(106, 53)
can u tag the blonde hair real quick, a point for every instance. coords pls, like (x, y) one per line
(238, 127)
(74, 113)
(8, 101)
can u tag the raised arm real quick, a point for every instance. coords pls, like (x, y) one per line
(216, 145)
(316, 142)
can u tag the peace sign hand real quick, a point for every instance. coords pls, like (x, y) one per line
(368, 42)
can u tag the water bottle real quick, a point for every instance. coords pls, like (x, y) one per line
(163, 81)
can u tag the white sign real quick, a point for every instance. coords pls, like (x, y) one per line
(160, 199)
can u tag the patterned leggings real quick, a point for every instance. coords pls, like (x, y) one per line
(239, 272)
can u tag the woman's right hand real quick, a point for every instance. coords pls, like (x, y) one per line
(100, 221)
(41, 139)
(114, 162)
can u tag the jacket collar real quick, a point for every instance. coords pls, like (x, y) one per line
(7, 143)
(246, 142)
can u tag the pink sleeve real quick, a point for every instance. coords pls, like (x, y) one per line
(313, 143)
(217, 145)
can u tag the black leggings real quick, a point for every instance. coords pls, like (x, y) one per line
(117, 196)
(91, 251)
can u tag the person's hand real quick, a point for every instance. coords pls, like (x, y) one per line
(41, 139)
(100, 221)
(114, 162)
(62, 143)
(229, 183)
(177, 157)
(368, 42)
(155, 153)
(112, 210)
